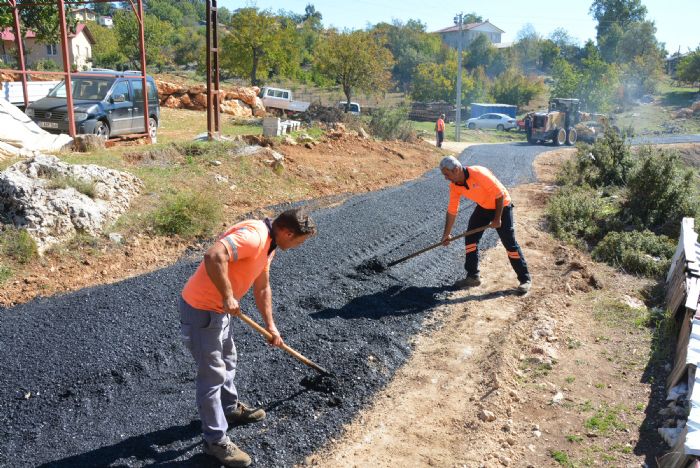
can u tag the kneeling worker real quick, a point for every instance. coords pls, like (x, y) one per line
(493, 207)
(238, 260)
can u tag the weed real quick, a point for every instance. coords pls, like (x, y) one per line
(636, 252)
(580, 213)
(587, 406)
(574, 438)
(5, 273)
(572, 343)
(570, 379)
(392, 124)
(18, 245)
(640, 406)
(188, 214)
(605, 420)
(561, 457)
(599, 385)
(86, 187)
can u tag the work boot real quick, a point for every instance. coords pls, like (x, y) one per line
(243, 415)
(227, 453)
(468, 282)
(524, 287)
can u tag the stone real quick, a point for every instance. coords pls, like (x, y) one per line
(166, 88)
(236, 108)
(557, 398)
(87, 143)
(287, 140)
(215, 162)
(172, 102)
(486, 415)
(363, 134)
(41, 195)
(116, 237)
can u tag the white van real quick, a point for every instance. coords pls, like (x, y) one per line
(354, 107)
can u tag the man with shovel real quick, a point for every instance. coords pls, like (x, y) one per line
(238, 260)
(493, 209)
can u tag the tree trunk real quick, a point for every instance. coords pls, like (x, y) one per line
(254, 71)
(348, 94)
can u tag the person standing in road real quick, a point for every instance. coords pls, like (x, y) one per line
(440, 130)
(238, 260)
(493, 208)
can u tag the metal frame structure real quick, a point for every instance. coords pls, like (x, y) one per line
(213, 89)
(137, 7)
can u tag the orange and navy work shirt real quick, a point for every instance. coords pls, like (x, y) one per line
(251, 249)
(440, 125)
(481, 187)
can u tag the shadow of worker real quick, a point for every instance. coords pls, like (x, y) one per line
(161, 448)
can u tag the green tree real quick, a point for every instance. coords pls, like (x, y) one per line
(355, 61)
(512, 87)
(480, 52)
(472, 18)
(527, 47)
(438, 81)
(260, 44)
(165, 11)
(106, 51)
(102, 8)
(610, 13)
(689, 67)
(157, 34)
(566, 79)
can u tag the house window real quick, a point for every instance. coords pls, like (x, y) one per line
(51, 49)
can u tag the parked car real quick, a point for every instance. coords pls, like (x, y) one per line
(105, 103)
(282, 100)
(495, 121)
(354, 108)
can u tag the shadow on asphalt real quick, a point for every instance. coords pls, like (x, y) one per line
(143, 448)
(398, 300)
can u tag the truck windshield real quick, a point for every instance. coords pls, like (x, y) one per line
(84, 88)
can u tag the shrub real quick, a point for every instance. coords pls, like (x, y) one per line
(188, 214)
(5, 273)
(660, 192)
(580, 212)
(392, 124)
(18, 245)
(641, 252)
(512, 87)
(607, 162)
(47, 65)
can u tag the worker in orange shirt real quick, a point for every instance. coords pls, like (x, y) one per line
(440, 130)
(493, 208)
(238, 260)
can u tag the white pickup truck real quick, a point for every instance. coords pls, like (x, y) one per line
(12, 91)
(283, 100)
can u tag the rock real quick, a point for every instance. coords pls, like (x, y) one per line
(505, 461)
(215, 162)
(363, 134)
(87, 143)
(236, 108)
(42, 195)
(172, 102)
(287, 140)
(308, 146)
(537, 433)
(220, 179)
(486, 416)
(199, 101)
(556, 399)
(165, 88)
(116, 237)
(632, 302)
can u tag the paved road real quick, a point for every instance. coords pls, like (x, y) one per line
(99, 377)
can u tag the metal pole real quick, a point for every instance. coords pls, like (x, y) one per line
(210, 136)
(66, 67)
(142, 43)
(215, 64)
(20, 52)
(458, 116)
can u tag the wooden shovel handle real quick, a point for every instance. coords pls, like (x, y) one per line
(296, 354)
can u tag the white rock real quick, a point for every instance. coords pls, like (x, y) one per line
(116, 238)
(556, 399)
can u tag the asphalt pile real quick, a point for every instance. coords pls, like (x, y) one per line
(99, 377)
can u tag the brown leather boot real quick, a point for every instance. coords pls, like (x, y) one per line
(228, 453)
(244, 415)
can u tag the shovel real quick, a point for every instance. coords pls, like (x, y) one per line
(253, 324)
(415, 254)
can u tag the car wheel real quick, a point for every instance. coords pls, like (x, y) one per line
(153, 129)
(500, 127)
(471, 126)
(101, 129)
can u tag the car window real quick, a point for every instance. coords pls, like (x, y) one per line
(137, 90)
(152, 92)
(84, 88)
(122, 87)
(285, 95)
(278, 93)
(354, 108)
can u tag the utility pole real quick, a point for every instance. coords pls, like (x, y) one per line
(458, 117)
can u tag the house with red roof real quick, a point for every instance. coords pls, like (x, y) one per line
(80, 42)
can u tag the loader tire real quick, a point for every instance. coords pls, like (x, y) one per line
(571, 136)
(559, 137)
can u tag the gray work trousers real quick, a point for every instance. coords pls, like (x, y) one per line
(209, 337)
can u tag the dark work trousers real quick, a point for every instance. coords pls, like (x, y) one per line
(482, 217)
(440, 137)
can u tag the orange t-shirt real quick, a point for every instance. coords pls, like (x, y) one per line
(440, 125)
(248, 244)
(482, 187)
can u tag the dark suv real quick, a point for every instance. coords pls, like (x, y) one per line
(105, 102)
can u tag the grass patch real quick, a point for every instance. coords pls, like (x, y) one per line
(641, 252)
(580, 213)
(574, 438)
(5, 273)
(562, 458)
(605, 420)
(18, 245)
(86, 187)
(187, 214)
(427, 130)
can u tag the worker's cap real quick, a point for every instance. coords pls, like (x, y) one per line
(442, 116)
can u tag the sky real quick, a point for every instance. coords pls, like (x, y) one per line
(676, 20)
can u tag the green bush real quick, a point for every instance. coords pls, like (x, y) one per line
(5, 273)
(392, 124)
(188, 214)
(660, 192)
(607, 162)
(580, 213)
(641, 252)
(18, 245)
(47, 65)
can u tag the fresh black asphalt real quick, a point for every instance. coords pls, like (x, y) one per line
(99, 377)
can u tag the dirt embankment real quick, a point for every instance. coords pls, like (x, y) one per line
(332, 169)
(557, 378)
